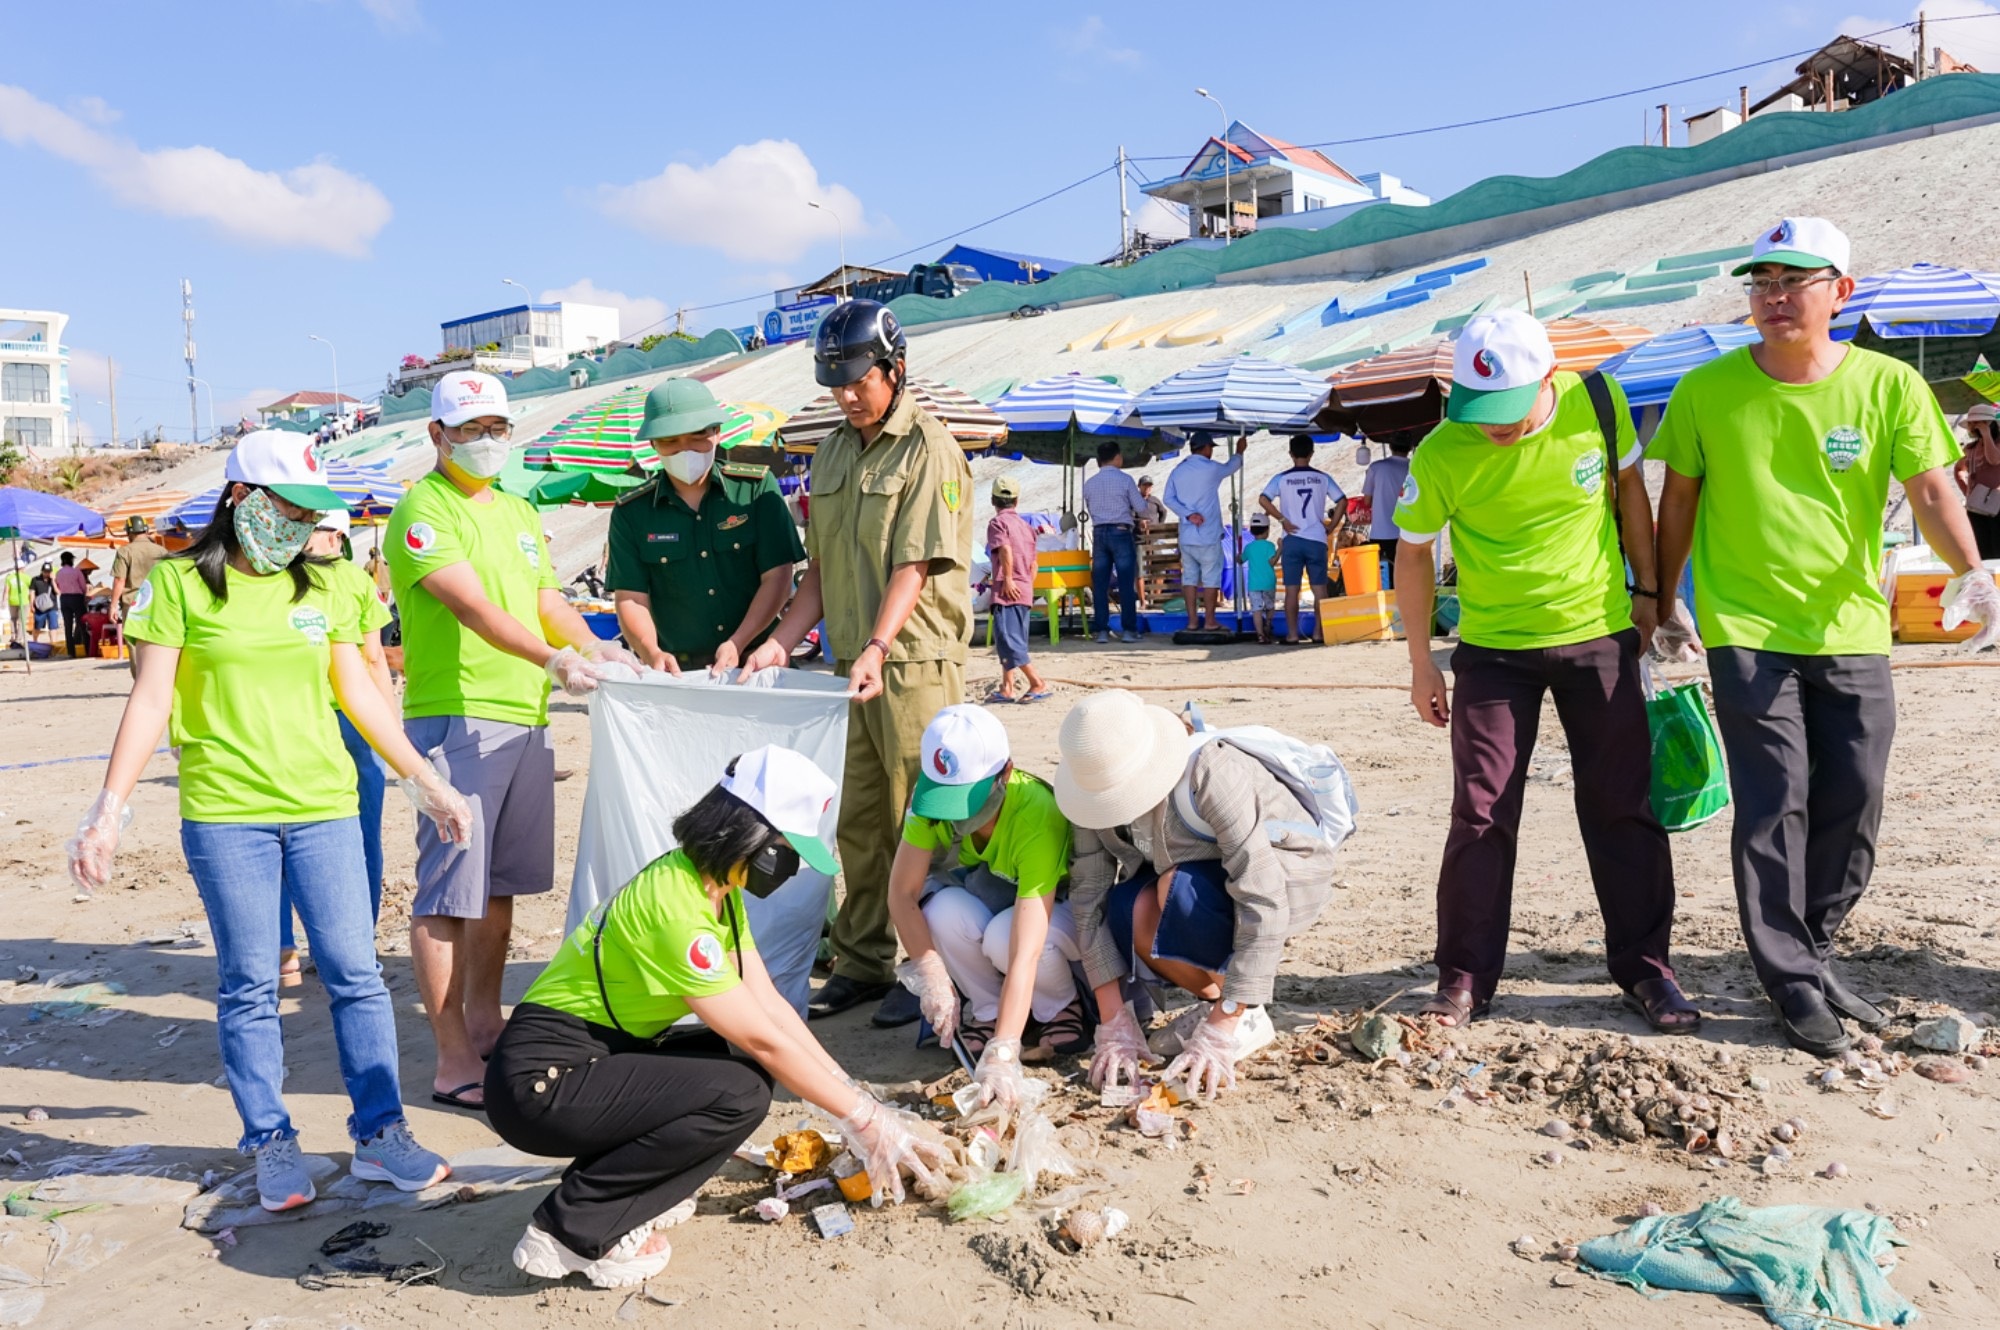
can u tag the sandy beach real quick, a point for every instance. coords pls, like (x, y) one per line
(1315, 1194)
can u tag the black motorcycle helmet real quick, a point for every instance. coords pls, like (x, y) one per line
(854, 339)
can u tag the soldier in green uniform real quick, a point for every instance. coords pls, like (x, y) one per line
(889, 542)
(702, 556)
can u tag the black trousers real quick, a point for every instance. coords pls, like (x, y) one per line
(1496, 709)
(1808, 743)
(72, 616)
(1986, 531)
(646, 1124)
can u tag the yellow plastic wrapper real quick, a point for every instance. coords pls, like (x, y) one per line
(798, 1152)
(852, 1179)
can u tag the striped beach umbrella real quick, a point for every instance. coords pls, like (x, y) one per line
(369, 493)
(749, 423)
(1063, 402)
(603, 436)
(1236, 395)
(1925, 300)
(1394, 376)
(1582, 345)
(1648, 372)
(975, 425)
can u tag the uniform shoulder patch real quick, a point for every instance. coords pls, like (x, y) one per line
(637, 492)
(745, 470)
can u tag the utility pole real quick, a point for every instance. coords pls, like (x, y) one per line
(1528, 286)
(1921, 47)
(187, 350)
(1124, 213)
(1228, 222)
(1666, 138)
(1743, 101)
(111, 379)
(680, 321)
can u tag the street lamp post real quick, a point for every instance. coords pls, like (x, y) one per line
(211, 405)
(1228, 222)
(508, 281)
(842, 228)
(336, 371)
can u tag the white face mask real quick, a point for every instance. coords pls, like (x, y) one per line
(483, 458)
(689, 466)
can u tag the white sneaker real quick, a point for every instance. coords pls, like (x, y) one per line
(1253, 1031)
(1166, 1043)
(540, 1255)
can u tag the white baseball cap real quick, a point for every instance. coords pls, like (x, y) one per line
(1497, 368)
(1799, 242)
(466, 394)
(285, 464)
(1980, 411)
(791, 793)
(963, 749)
(335, 519)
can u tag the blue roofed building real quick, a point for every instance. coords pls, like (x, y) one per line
(1269, 182)
(999, 265)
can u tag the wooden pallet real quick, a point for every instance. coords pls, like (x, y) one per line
(1160, 566)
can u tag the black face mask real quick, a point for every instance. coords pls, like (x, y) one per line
(770, 868)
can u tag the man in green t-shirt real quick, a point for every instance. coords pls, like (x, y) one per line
(1779, 457)
(485, 630)
(978, 892)
(1534, 483)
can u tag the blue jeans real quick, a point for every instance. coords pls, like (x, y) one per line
(370, 782)
(1113, 548)
(237, 868)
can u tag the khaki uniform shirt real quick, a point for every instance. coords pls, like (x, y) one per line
(701, 567)
(133, 561)
(907, 498)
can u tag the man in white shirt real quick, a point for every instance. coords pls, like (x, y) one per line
(1296, 499)
(1192, 494)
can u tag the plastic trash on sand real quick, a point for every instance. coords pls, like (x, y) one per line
(1804, 1264)
(983, 1198)
(798, 1152)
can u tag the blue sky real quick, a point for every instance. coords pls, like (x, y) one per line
(362, 169)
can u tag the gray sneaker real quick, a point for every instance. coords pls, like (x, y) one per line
(1128, 637)
(393, 1155)
(282, 1180)
(1102, 637)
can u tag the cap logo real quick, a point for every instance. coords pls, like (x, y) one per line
(1484, 364)
(420, 538)
(705, 954)
(1783, 234)
(942, 762)
(312, 462)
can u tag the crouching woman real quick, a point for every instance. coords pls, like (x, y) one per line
(596, 1063)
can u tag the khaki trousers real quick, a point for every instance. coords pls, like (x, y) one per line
(883, 738)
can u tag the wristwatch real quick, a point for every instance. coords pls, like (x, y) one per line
(1230, 1007)
(879, 645)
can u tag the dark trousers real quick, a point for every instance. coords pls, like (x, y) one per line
(1496, 708)
(646, 1124)
(1113, 548)
(1388, 558)
(73, 608)
(1808, 743)
(1986, 531)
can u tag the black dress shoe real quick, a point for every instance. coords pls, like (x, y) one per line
(1851, 1004)
(899, 1007)
(840, 994)
(1808, 1023)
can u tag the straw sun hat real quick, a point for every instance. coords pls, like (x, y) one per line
(1120, 757)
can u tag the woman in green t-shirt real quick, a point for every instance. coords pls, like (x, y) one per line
(246, 651)
(593, 1063)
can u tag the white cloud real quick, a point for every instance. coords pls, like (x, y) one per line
(750, 204)
(96, 110)
(1964, 28)
(315, 206)
(395, 15)
(229, 410)
(637, 315)
(1091, 40)
(89, 375)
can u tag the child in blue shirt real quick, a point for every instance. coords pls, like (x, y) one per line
(1260, 575)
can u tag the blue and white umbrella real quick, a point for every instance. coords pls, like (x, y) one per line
(1055, 404)
(1925, 300)
(1649, 371)
(368, 491)
(1238, 395)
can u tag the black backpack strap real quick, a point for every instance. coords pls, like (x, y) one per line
(1599, 389)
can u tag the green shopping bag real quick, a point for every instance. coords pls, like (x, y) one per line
(1690, 783)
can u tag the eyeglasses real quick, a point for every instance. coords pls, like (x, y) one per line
(472, 432)
(1791, 283)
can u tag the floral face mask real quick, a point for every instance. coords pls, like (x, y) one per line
(270, 540)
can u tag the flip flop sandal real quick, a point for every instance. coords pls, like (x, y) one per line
(1063, 1033)
(456, 1098)
(1663, 1006)
(975, 1035)
(1037, 697)
(290, 972)
(1455, 1005)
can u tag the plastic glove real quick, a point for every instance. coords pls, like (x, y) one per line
(1121, 1049)
(96, 841)
(1973, 596)
(610, 653)
(925, 976)
(1207, 1064)
(1675, 639)
(886, 1143)
(998, 1074)
(433, 797)
(572, 673)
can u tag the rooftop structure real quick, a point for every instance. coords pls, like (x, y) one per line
(34, 382)
(1850, 72)
(999, 265)
(1269, 178)
(306, 403)
(512, 340)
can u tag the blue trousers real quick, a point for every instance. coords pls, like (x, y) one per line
(370, 783)
(1113, 549)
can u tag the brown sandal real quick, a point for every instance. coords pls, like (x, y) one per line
(1664, 1006)
(1455, 1008)
(291, 973)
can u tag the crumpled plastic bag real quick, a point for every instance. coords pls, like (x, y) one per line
(983, 1198)
(1036, 1151)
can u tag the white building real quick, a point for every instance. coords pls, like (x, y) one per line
(526, 337)
(1269, 182)
(34, 381)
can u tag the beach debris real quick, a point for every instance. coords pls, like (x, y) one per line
(1885, 1106)
(1550, 1158)
(1651, 1208)
(1083, 1227)
(1525, 1245)
(852, 1179)
(832, 1220)
(798, 1152)
(1566, 1252)
(1836, 1169)
(1377, 1037)
(985, 1198)
(1946, 1034)
(1944, 1071)
(1557, 1129)
(1785, 1131)
(771, 1209)
(354, 1260)
(36, 1114)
